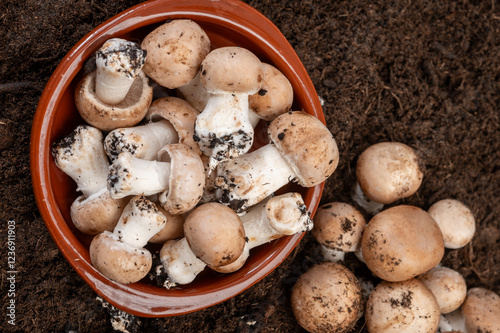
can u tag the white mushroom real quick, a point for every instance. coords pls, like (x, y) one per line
(447, 285)
(118, 64)
(81, 156)
(386, 172)
(302, 149)
(406, 306)
(223, 129)
(120, 255)
(117, 94)
(338, 228)
(271, 219)
(481, 311)
(178, 177)
(456, 222)
(170, 120)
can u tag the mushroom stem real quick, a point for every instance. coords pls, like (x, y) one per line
(81, 156)
(129, 175)
(370, 206)
(140, 221)
(245, 181)
(141, 141)
(179, 262)
(223, 128)
(118, 64)
(331, 255)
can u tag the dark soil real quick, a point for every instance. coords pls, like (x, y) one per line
(421, 73)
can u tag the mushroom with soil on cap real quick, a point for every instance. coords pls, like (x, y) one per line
(118, 93)
(170, 120)
(338, 228)
(326, 298)
(386, 172)
(447, 285)
(481, 311)
(175, 51)
(271, 219)
(223, 130)
(456, 222)
(302, 149)
(177, 176)
(120, 255)
(406, 306)
(401, 242)
(213, 235)
(81, 156)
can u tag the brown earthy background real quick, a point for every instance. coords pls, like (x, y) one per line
(425, 73)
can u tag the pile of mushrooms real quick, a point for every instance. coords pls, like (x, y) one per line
(174, 169)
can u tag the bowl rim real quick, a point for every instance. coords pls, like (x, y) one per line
(133, 298)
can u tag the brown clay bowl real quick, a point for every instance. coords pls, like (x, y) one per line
(227, 23)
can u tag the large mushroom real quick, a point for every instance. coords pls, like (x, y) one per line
(406, 306)
(302, 149)
(118, 93)
(401, 242)
(81, 156)
(230, 75)
(178, 177)
(120, 255)
(175, 51)
(169, 120)
(326, 298)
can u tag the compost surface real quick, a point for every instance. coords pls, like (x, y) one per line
(421, 73)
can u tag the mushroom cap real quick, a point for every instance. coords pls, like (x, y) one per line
(274, 97)
(406, 306)
(307, 145)
(97, 213)
(481, 311)
(180, 114)
(118, 261)
(447, 285)
(388, 171)
(326, 298)
(401, 242)
(175, 51)
(456, 222)
(107, 117)
(173, 229)
(215, 234)
(339, 226)
(186, 180)
(231, 69)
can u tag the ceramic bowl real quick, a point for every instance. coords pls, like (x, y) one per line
(226, 23)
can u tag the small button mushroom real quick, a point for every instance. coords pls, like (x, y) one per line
(175, 52)
(302, 149)
(447, 285)
(213, 235)
(170, 120)
(81, 156)
(271, 219)
(456, 222)
(178, 177)
(118, 93)
(275, 96)
(338, 228)
(481, 311)
(120, 255)
(326, 298)
(230, 75)
(401, 242)
(406, 306)
(388, 171)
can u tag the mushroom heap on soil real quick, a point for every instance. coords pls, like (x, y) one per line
(162, 169)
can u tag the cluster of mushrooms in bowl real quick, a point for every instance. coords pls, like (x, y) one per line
(212, 182)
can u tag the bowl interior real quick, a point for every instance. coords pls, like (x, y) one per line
(226, 23)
